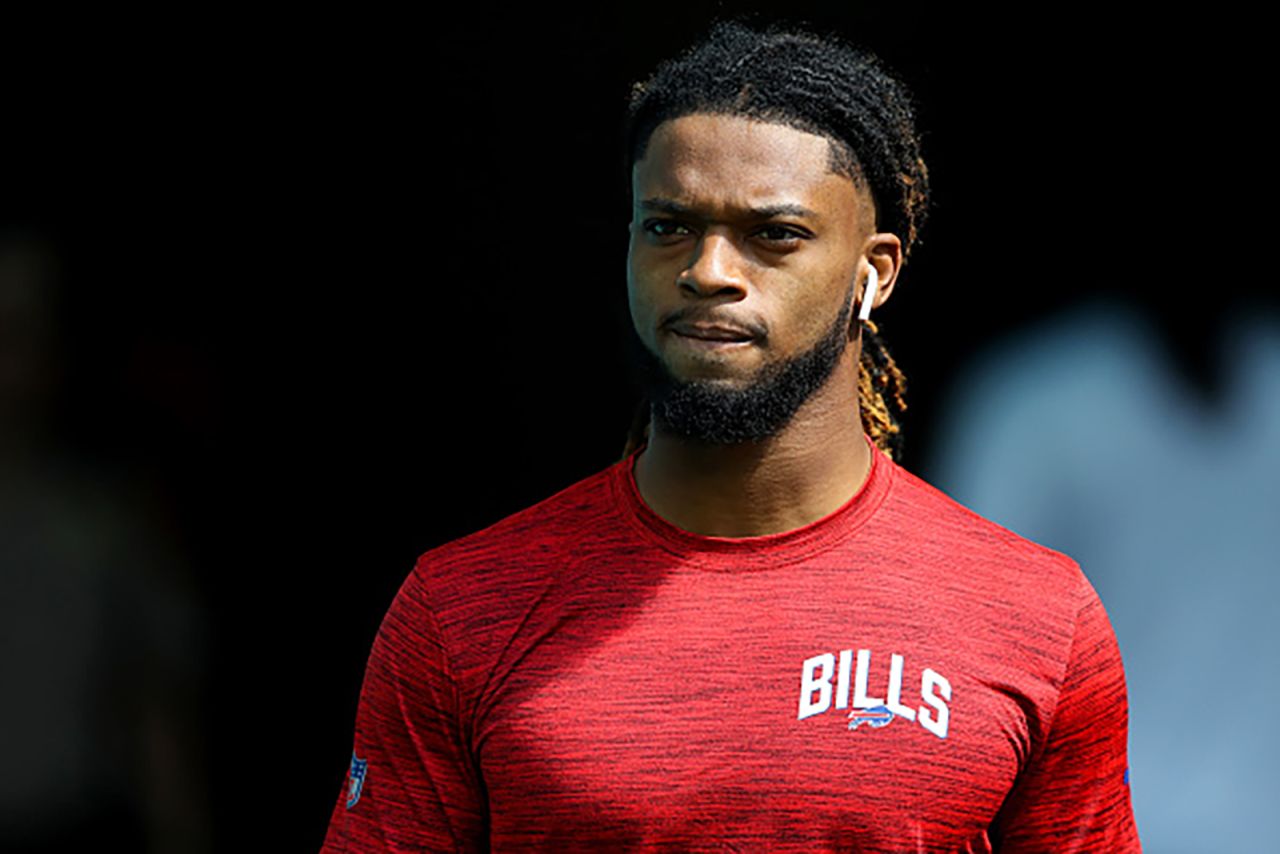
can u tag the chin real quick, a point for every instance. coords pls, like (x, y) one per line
(738, 369)
(713, 378)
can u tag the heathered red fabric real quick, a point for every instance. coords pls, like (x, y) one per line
(901, 675)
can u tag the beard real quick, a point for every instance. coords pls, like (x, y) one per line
(711, 413)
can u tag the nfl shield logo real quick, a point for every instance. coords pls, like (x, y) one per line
(355, 779)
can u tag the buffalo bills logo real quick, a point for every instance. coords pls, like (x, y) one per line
(874, 717)
(355, 780)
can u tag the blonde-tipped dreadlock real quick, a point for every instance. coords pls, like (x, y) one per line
(882, 389)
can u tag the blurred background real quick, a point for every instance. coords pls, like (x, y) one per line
(286, 301)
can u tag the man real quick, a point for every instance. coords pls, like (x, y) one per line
(756, 630)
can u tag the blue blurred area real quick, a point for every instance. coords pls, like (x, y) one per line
(1079, 434)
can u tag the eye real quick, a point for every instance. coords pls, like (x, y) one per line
(781, 234)
(663, 227)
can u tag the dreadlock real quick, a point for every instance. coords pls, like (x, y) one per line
(820, 85)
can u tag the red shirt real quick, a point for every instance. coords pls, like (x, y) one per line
(901, 675)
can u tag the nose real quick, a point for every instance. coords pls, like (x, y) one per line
(717, 268)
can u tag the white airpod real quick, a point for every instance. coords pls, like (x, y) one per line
(869, 293)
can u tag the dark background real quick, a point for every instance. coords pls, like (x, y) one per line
(342, 288)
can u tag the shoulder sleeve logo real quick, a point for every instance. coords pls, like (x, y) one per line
(355, 779)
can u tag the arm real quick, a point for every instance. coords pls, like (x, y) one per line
(1074, 794)
(415, 786)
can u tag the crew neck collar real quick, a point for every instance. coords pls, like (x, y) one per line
(760, 552)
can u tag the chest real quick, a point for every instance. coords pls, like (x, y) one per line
(724, 712)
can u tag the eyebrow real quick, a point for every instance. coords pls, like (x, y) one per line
(783, 209)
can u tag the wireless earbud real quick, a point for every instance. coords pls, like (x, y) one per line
(869, 293)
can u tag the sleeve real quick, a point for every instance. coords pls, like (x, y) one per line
(413, 784)
(1074, 794)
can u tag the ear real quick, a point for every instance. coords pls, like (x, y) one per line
(883, 251)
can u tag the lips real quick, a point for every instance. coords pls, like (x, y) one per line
(712, 331)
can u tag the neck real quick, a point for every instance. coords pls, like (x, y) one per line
(805, 472)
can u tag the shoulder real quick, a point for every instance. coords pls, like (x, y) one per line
(977, 552)
(546, 524)
(470, 597)
(1012, 603)
(523, 548)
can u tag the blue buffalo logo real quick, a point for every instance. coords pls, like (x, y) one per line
(355, 780)
(874, 717)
